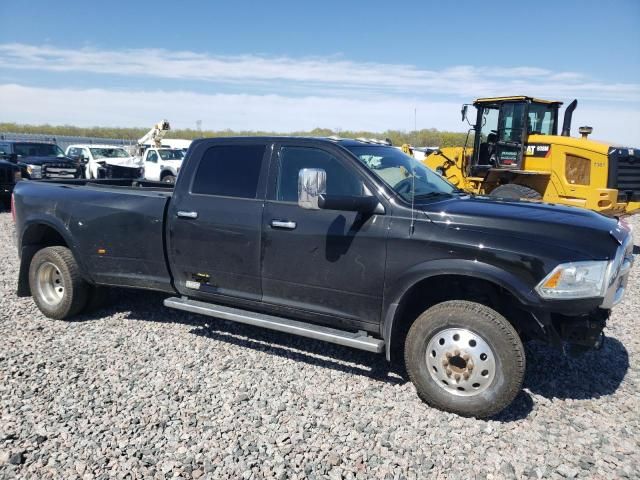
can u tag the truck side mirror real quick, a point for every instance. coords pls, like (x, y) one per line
(13, 157)
(312, 182)
(464, 112)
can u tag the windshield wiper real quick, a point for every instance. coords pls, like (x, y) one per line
(431, 194)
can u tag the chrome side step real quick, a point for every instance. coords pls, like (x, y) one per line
(359, 340)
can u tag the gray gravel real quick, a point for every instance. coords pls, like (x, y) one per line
(140, 391)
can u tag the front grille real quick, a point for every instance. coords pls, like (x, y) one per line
(116, 171)
(5, 174)
(624, 173)
(59, 170)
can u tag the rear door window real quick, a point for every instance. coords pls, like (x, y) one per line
(230, 171)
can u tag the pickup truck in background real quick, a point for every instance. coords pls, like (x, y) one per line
(338, 240)
(162, 164)
(9, 175)
(106, 161)
(38, 160)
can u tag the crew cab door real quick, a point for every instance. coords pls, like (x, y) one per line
(214, 221)
(325, 263)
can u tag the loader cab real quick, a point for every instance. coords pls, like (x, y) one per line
(502, 127)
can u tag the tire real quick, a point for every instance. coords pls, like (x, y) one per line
(494, 363)
(514, 191)
(52, 269)
(169, 179)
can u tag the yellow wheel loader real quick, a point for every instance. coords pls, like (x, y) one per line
(518, 154)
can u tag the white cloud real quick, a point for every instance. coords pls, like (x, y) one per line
(88, 107)
(317, 76)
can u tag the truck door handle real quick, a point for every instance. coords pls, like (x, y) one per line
(286, 224)
(183, 214)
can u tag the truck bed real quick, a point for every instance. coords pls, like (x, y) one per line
(139, 186)
(117, 226)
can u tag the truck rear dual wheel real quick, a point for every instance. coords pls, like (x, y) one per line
(465, 358)
(56, 285)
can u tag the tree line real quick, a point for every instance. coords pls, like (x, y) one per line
(424, 137)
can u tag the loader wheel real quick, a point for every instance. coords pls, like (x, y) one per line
(465, 358)
(516, 192)
(56, 285)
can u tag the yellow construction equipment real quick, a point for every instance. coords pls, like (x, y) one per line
(518, 154)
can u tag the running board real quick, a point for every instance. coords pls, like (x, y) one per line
(359, 340)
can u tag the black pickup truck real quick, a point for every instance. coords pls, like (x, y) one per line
(340, 240)
(39, 160)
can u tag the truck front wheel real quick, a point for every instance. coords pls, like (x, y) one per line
(56, 285)
(465, 358)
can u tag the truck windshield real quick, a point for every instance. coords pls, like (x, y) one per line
(171, 154)
(401, 172)
(37, 150)
(109, 153)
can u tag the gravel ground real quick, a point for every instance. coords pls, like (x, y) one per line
(140, 391)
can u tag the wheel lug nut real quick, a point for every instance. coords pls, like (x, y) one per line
(457, 377)
(448, 372)
(456, 353)
(445, 362)
(466, 375)
(448, 355)
(465, 357)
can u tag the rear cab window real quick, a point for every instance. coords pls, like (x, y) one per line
(230, 171)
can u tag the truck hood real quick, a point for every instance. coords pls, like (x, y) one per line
(45, 160)
(133, 162)
(586, 233)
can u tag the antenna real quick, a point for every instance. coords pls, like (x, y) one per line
(413, 201)
(413, 175)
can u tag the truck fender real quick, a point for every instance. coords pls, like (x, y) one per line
(466, 268)
(28, 250)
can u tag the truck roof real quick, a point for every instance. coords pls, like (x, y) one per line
(346, 142)
(94, 145)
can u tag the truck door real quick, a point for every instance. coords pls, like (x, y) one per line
(151, 165)
(214, 221)
(327, 263)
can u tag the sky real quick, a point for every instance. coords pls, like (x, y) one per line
(285, 66)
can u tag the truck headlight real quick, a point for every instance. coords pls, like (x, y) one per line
(34, 171)
(575, 280)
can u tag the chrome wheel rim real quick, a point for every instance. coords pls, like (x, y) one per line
(50, 284)
(461, 362)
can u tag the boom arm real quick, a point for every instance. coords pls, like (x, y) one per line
(155, 135)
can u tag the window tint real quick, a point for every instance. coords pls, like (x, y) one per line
(152, 157)
(340, 180)
(230, 170)
(5, 148)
